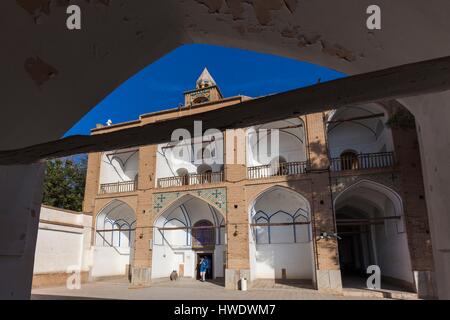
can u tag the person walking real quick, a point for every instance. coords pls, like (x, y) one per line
(203, 267)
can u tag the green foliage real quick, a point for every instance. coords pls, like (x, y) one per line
(64, 183)
(402, 119)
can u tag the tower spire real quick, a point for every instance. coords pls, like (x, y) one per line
(206, 90)
(205, 80)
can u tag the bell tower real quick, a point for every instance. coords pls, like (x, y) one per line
(206, 90)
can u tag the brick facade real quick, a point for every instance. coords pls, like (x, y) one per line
(318, 186)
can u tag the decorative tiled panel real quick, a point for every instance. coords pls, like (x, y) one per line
(215, 196)
(391, 180)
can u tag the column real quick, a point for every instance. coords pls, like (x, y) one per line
(238, 259)
(142, 259)
(328, 275)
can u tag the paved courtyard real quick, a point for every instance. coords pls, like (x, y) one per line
(188, 290)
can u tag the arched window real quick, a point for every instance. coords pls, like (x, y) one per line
(203, 234)
(206, 172)
(115, 226)
(349, 160)
(279, 167)
(184, 176)
(200, 100)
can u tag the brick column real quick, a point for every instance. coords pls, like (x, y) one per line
(328, 275)
(415, 210)
(238, 258)
(92, 182)
(142, 259)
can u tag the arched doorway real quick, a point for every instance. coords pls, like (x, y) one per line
(277, 148)
(189, 229)
(281, 245)
(114, 240)
(370, 223)
(358, 138)
(349, 160)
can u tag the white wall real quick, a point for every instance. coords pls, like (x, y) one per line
(389, 241)
(296, 258)
(392, 248)
(284, 249)
(119, 166)
(169, 160)
(291, 142)
(56, 250)
(110, 261)
(359, 135)
(166, 259)
(63, 241)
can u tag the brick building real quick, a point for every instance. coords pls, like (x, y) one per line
(343, 192)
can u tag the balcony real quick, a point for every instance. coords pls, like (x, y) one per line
(191, 179)
(363, 161)
(118, 187)
(283, 169)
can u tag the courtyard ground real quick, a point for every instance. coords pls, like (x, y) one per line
(186, 289)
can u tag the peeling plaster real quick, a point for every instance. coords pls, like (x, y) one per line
(214, 6)
(261, 8)
(327, 48)
(34, 7)
(39, 71)
(338, 51)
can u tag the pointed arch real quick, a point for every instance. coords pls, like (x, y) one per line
(187, 194)
(116, 215)
(376, 186)
(279, 187)
(281, 235)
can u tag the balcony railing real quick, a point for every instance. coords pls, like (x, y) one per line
(283, 169)
(117, 187)
(363, 161)
(191, 179)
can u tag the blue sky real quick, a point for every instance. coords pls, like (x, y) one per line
(161, 85)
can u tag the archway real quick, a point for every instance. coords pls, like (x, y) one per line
(349, 48)
(277, 153)
(190, 228)
(358, 138)
(281, 247)
(114, 240)
(370, 224)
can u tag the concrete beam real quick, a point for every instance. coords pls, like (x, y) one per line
(392, 83)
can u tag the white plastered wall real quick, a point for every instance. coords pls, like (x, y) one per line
(388, 241)
(119, 166)
(63, 242)
(283, 251)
